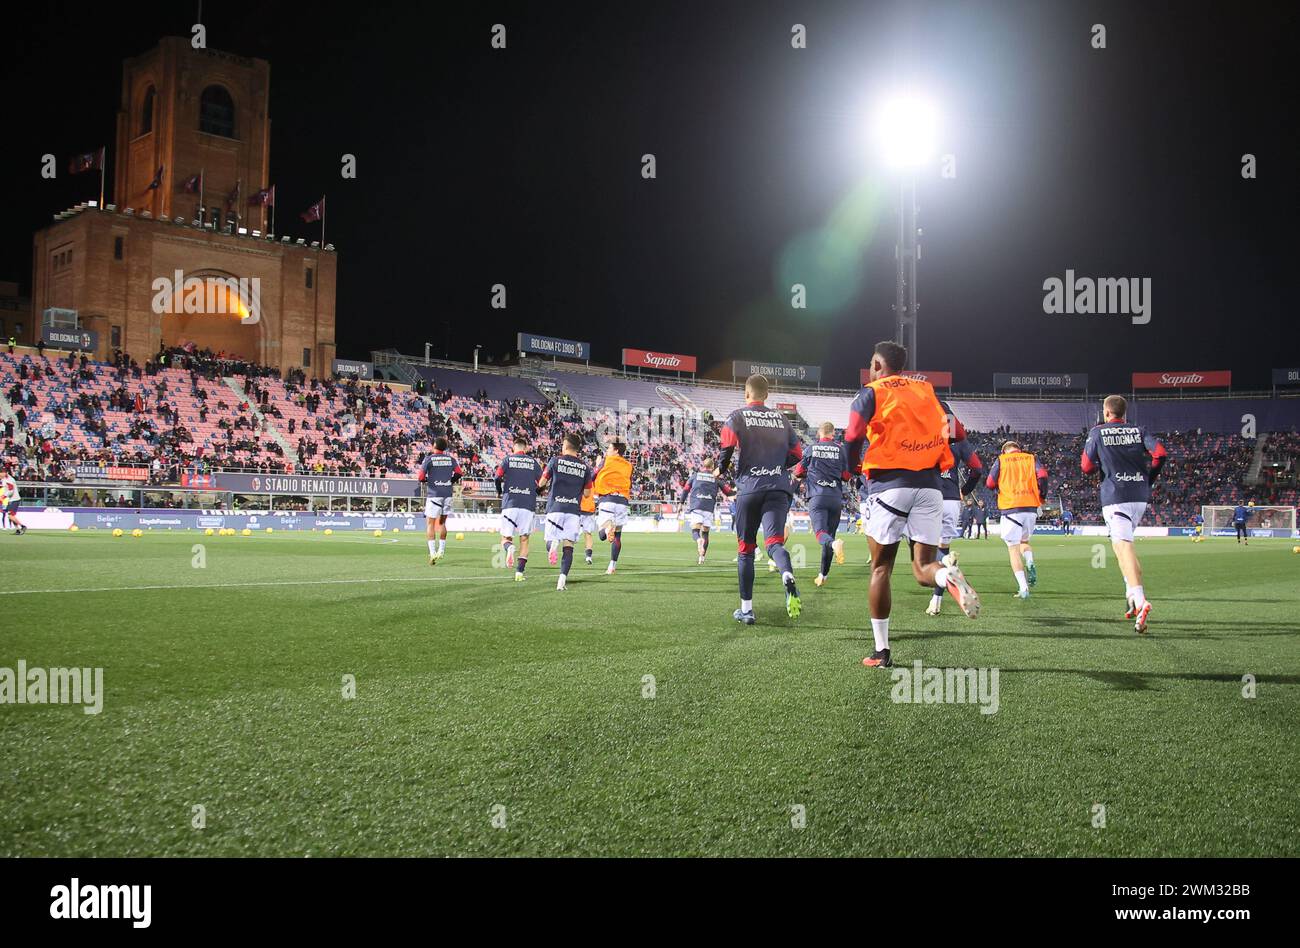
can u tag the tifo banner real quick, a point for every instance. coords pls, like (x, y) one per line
(85, 340)
(1207, 379)
(349, 367)
(1073, 381)
(306, 484)
(663, 361)
(95, 472)
(550, 346)
(1286, 376)
(777, 371)
(937, 379)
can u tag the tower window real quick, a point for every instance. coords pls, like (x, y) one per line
(217, 112)
(146, 112)
(309, 278)
(117, 248)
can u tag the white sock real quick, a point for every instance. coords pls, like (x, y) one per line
(1020, 578)
(433, 547)
(880, 629)
(941, 578)
(746, 605)
(1029, 557)
(442, 547)
(787, 576)
(936, 597)
(1139, 596)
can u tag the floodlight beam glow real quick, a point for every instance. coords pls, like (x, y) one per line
(905, 131)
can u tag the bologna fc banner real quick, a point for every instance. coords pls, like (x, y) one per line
(937, 379)
(86, 340)
(663, 361)
(1208, 379)
(549, 346)
(1071, 381)
(777, 371)
(1286, 376)
(351, 368)
(305, 484)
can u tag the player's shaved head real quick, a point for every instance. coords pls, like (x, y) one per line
(440, 444)
(756, 388)
(887, 358)
(827, 429)
(1116, 406)
(521, 441)
(573, 442)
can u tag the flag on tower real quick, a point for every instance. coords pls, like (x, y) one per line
(193, 184)
(263, 198)
(315, 212)
(90, 161)
(156, 183)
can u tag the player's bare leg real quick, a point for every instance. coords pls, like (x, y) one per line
(430, 535)
(880, 599)
(1138, 607)
(1027, 557)
(1018, 568)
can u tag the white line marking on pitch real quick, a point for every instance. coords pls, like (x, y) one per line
(324, 582)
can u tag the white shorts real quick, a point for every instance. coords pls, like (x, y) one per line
(916, 512)
(1018, 527)
(699, 518)
(951, 521)
(563, 526)
(587, 522)
(516, 521)
(437, 506)
(1122, 518)
(610, 510)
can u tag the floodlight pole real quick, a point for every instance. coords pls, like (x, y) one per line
(907, 251)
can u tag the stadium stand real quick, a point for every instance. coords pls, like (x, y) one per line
(200, 411)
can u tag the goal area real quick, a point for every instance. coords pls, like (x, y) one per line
(1260, 521)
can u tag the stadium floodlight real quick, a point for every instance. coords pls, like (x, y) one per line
(905, 130)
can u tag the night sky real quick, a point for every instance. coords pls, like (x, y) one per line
(478, 166)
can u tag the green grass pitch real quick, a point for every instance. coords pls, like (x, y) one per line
(494, 718)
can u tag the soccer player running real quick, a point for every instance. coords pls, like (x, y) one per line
(767, 447)
(964, 454)
(700, 501)
(907, 431)
(569, 479)
(516, 481)
(1020, 481)
(824, 470)
(9, 498)
(438, 472)
(587, 516)
(612, 489)
(1120, 450)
